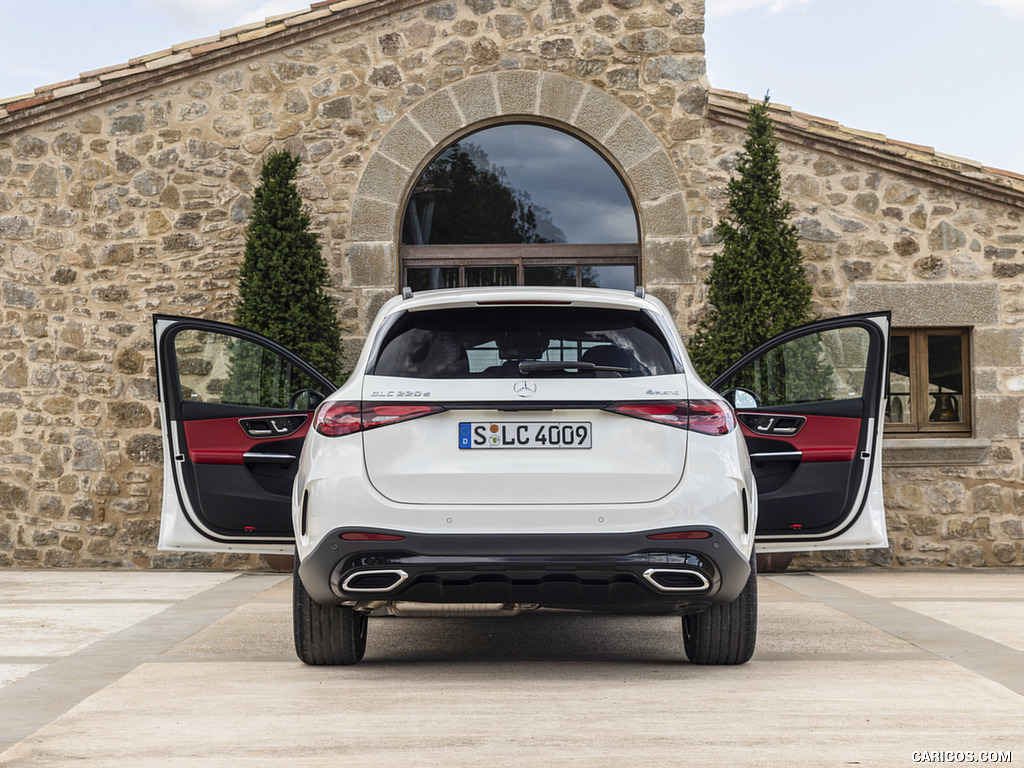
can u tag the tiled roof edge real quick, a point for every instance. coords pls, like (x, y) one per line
(723, 103)
(51, 95)
(48, 96)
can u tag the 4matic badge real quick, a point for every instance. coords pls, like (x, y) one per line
(663, 392)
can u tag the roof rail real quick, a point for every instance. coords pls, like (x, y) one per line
(639, 292)
(407, 292)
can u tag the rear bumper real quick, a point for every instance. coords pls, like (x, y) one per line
(618, 573)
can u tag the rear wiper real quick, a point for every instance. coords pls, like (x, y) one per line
(554, 365)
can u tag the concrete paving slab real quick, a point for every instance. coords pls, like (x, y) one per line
(58, 629)
(768, 591)
(45, 694)
(809, 628)
(529, 714)
(971, 649)
(257, 628)
(11, 672)
(986, 584)
(993, 620)
(840, 677)
(76, 586)
(281, 592)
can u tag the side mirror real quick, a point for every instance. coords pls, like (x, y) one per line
(740, 398)
(305, 400)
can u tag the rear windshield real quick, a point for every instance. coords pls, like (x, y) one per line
(531, 341)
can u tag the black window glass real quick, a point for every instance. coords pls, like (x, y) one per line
(214, 368)
(829, 365)
(432, 278)
(617, 277)
(519, 184)
(492, 342)
(478, 277)
(945, 378)
(557, 276)
(620, 277)
(899, 408)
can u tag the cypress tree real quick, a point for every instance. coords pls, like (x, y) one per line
(281, 286)
(757, 287)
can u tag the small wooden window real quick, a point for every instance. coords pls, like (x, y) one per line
(929, 382)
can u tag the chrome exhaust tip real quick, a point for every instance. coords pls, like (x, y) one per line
(374, 581)
(677, 579)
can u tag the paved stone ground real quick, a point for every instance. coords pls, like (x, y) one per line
(181, 669)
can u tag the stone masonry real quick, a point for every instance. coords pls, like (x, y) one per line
(126, 193)
(880, 229)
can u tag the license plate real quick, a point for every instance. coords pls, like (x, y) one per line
(524, 434)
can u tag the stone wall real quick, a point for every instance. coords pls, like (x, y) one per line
(885, 232)
(126, 193)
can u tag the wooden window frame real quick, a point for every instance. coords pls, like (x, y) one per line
(920, 399)
(520, 256)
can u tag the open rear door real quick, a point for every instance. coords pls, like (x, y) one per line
(811, 404)
(235, 408)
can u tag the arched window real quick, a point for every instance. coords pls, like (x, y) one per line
(519, 204)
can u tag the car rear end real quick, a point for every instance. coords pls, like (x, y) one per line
(525, 445)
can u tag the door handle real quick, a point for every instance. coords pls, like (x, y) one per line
(272, 426)
(765, 424)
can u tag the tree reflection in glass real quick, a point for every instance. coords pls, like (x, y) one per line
(519, 184)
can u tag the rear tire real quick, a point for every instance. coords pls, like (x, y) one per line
(325, 635)
(724, 634)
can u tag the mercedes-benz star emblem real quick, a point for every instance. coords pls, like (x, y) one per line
(524, 388)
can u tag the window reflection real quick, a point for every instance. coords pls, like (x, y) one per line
(560, 276)
(945, 378)
(432, 278)
(519, 184)
(477, 277)
(618, 277)
(899, 408)
(818, 367)
(215, 368)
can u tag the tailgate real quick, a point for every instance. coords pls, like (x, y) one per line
(560, 448)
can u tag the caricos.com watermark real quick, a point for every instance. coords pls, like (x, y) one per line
(959, 756)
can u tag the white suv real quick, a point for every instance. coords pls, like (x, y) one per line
(503, 448)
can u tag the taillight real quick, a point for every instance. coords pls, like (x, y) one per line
(337, 419)
(343, 418)
(382, 414)
(710, 417)
(672, 413)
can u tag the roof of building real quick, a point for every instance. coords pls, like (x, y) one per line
(212, 50)
(879, 150)
(52, 100)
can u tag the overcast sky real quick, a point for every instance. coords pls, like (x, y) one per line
(944, 73)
